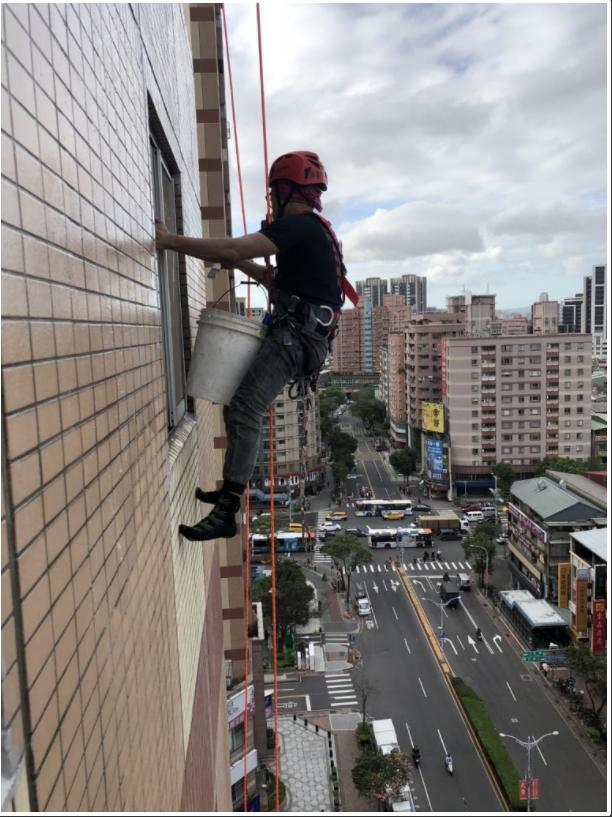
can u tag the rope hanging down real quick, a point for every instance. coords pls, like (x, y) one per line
(270, 443)
(247, 527)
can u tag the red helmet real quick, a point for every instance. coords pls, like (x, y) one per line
(301, 167)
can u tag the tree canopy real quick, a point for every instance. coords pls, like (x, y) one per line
(404, 461)
(347, 551)
(381, 776)
(483, 536)
(505, 477)
(592, 669)
(293, 597)
(368, 409)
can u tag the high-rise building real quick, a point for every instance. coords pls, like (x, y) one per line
(479, 314)
(392, 316)
(413, 290)
(373, 290)
(348, 344)
(393, 383)
(456, 304)
(545, 316)
(114, 631)
(513, 325)
(571, 314)
(595, 310)
(297, 444)
(424, 335)
(516, 400)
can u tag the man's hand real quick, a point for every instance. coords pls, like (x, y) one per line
(163, 236)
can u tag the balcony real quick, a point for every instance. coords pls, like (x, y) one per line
(488, 364)
(488, 403)
(552, 425)
(487, 377)
(553, 403)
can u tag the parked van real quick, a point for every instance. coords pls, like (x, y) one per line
(475, 516)
(464, 581)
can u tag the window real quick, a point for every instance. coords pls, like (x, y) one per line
(506, 347)
(580, 436)
(506, 386)
(580, 358)
(474, 361)
(474, 452)
(580, 423)
(475, 375)
(534, 449)
(507, 438)
(580, 372)
(567, 359)
(567, 411)
(567, 372)
(173, 331)
(567, 436)
(567, 424)
(506, 361)
(534, 411)
(534, 424)
(534, 372)
(507, 450)
(475, 426)
(580, 398)
(534, 436)
(537, 359)
(567, 398)
(567, 449)
(506, 425)
(475, 413)
(535, 347)
(237, 737)
(474, 350)
(475, 388)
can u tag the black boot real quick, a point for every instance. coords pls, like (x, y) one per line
(209, 497)
(219, 524)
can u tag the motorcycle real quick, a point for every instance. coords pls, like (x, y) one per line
(478, 634)
(448, 763)
(416, 757)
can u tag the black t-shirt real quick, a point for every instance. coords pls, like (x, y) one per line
(308, 261)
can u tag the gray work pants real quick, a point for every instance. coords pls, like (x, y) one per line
(285, 354)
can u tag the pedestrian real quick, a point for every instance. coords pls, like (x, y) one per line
(306, 292)
(545, 669)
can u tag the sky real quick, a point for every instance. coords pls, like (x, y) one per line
(463, 142)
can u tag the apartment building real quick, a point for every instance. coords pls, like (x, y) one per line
(347, 349)
(511, 325)
(545, 316)
(479, 314)
(587, 591)
(413, 291)
(115, 634)
(297, 433)
(595, 310)
(424, 338)
(393, 384)
(542, 515)
(571, 313)
(373, 290)
(392, 316)
(516, 400)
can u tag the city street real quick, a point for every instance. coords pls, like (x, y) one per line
(404, 681)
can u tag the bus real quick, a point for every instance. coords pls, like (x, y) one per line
(399, 537)
(374, 507)
(285, 542)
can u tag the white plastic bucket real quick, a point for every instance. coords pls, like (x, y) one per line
(225, 347)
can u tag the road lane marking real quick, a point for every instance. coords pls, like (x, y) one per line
(511, 692)
(541, 755)
(488, 646)
(371, 568)
(451, 643)
(335, 675)
(495, 637)
(420, 771)
(461, 642)
(384, 585)
(344, 697)
(422, 687)
(472, 643)
(395, 613)
(407, 647)
(454, 566)
(343, 703)
(442, 742)
(379, 569)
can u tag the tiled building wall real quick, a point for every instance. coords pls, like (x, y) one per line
(114, 666)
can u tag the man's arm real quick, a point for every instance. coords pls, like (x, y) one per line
(227, 251)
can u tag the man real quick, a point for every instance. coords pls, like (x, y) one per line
(307, 293)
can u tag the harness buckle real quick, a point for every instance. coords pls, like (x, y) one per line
(331, 316)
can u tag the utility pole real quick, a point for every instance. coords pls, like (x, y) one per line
(528, 744)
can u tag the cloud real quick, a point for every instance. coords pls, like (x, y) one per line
(448, 131)
(414, 229)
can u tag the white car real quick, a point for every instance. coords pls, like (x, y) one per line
(328, 526)
(363, 607)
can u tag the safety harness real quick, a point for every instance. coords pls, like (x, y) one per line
(312, 319)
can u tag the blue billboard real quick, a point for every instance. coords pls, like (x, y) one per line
(434, 452)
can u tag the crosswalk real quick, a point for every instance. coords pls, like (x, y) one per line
(340, 690)
(326, 638)
(418, 567)
(318, 557)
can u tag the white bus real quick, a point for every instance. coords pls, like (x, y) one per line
(399, 537)
(375, 507)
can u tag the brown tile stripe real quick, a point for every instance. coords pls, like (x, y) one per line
(210, 165)
(234, 655)
(202, 13)
(207, 114)
(231, 571)
(205, 66)
(232, 613)
(212, 213)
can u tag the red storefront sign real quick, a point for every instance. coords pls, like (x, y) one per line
(599, 626)
(522, 784)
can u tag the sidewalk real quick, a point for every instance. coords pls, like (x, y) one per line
(304, 766)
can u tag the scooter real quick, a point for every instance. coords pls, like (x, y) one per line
(416, 757)
(448, 763)
(478, 634)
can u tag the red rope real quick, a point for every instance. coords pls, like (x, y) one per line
(247, 527)
(270, 442)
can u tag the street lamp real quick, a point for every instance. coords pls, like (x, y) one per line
(486, 552)
(528, 744)
(440, 604)
(496, 502)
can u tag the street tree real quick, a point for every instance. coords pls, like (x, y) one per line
(368, 409)
(293, 597)
(364, 688)
(592, 669)
(483, 536)
(381, 776)
(565, 464)
(404, 461)
(505, 477)
(347, 552)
